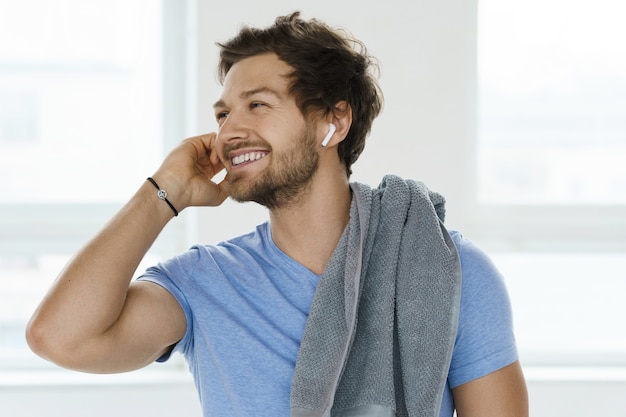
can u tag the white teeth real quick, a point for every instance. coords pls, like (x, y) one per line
(247, 157)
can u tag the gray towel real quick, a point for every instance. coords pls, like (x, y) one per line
(381, 329)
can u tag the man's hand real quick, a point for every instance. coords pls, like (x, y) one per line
(187, 173)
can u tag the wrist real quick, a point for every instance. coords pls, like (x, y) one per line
(162, 195)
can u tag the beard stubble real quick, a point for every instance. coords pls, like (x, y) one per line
(285, 179)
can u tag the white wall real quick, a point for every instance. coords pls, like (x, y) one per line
(427, 56)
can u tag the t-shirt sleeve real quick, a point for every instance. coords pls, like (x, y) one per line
(485, 341)
(166, 274)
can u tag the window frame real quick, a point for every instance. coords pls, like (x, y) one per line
(536, 227)
(28, 230)
(542, 229)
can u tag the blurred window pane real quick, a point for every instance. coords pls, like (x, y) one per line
(552, 102)
(568, 307)
(80, 93)
(81, 86)
(552, 132)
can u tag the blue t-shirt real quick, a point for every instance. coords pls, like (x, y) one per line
(247, 302)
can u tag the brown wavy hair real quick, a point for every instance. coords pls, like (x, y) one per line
(329, 66)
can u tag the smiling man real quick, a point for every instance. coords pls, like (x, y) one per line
(349, 301)
(256, 98)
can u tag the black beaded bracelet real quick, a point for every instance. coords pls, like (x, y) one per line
(162, 194)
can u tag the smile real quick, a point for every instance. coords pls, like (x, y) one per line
(248, 157)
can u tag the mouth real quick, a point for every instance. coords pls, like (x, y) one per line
(247, 158)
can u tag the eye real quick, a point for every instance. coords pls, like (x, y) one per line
(256, 104)
(221, 116)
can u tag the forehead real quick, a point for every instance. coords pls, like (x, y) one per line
(265, 71)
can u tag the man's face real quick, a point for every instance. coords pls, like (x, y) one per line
(268, 148)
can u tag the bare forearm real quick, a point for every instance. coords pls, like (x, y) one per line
(88, 296)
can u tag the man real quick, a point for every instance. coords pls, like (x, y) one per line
(348, 302)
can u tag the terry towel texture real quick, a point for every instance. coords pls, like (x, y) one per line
(381, 329)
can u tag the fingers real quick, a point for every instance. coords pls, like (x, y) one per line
(190, 171)
(211, 141)
(213, 153)
(210, 165)
(208, 144)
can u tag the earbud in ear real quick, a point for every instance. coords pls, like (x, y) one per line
(329, 135)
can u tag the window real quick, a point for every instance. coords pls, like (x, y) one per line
(81, 126)
(553, 102)
(551, 182)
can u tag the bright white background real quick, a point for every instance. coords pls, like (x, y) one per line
(514, 112)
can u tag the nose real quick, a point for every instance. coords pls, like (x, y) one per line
(232, 128)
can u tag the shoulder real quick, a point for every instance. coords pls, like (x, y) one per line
(485, 340)
(202, 270)
(473, 259)
(481, 277)
(190, 269)
(233, 250)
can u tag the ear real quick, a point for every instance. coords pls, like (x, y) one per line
(341, 117)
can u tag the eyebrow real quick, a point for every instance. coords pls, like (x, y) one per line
(249, 93)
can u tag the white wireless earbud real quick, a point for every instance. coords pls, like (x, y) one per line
(331, 130)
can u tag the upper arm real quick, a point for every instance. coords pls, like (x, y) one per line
(485, 340)
(150, 322)
(499, 394)
(485, 374)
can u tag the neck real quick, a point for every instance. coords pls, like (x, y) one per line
(309, 229)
